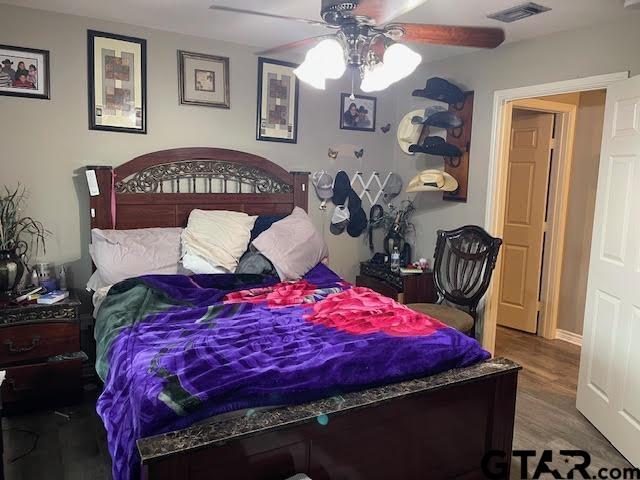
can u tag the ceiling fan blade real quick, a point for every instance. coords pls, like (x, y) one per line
(298, 43)
(270, 15)
(383, 11)
(480, 37)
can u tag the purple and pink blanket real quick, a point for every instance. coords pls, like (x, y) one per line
(173, 350)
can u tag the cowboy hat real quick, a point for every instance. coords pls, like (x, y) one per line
(432, 181)
(436, 146)
(441, 119)
(408, 133)
(441, 90)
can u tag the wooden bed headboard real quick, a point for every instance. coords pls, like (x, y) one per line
(160, 189)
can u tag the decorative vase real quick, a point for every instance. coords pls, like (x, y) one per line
(11, 270)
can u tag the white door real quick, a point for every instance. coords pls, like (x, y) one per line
(609, 383)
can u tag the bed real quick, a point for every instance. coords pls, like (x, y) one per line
(344, 396)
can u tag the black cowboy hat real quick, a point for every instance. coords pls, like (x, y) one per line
(436, 146)
(341, 187)
(444, 119)
(362, 109)
(6, 61)
(441, 90)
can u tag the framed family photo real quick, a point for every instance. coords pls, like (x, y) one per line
(358, 114)
(117, 82)
(203, 80)
(277, 119)
(24, 72)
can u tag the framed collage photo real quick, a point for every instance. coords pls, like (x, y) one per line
(117, 82)
(24, 72)
(358, 114)
(203, 80)
(277, 119)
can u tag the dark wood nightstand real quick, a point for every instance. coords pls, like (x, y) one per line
(40, 350)
(405, 288)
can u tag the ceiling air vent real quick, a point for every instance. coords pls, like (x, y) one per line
(518, 13)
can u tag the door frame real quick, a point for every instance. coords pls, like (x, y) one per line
(503, 102)
(558, 200)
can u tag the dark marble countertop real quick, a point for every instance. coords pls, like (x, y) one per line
(221, 430)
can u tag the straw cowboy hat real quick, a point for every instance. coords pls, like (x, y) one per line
(409, 133)
(432, 181)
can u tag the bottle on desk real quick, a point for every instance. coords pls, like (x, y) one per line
(395, 260)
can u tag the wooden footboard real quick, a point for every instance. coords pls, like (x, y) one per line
(430, 428)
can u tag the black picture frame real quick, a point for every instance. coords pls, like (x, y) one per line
(182, 56)
(46, 95)
(346, 96)
(262, 61)
(91, 36)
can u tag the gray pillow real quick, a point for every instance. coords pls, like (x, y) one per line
(256, 263)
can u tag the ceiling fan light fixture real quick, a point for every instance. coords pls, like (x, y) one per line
(309, 74)
(376, 77)
(401, 60)
(324, 61)
(330, 54)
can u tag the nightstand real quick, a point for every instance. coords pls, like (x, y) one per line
(404, 288)
(40, 350)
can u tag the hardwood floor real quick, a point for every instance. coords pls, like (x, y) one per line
(70, 444)
(546, 415)
(74, 448)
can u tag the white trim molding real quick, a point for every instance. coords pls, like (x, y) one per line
(496, 173)
(503, 96)
(568, 336)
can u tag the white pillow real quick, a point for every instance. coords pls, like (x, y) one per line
(122, 254)
(218, 236)
(197, 264)
(293, 245)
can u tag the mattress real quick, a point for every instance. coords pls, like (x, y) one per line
(174, 350)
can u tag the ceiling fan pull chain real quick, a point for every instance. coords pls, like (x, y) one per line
(352, 97)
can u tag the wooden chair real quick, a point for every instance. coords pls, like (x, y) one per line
(464, 262)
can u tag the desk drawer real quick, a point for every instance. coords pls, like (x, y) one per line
(21, 343)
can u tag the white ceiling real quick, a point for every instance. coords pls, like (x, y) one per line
(194, 17)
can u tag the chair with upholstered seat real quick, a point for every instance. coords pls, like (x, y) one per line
(464, 262)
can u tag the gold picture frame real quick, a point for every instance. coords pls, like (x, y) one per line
(203, 80)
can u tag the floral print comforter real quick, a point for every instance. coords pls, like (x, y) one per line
(173, 350)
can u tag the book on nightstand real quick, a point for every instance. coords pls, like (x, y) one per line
(53, 297)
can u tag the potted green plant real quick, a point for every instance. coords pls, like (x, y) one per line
(18, 234)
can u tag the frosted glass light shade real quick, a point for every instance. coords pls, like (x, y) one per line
(325, 60)
(376, 78)
(329, 54)
(310, 75)
(401, 60)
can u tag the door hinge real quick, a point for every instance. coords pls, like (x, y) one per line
(552, 143)
(540, 306)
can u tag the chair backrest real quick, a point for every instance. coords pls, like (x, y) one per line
(464, 261)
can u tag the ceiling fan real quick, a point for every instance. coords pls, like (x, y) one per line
(368, 42)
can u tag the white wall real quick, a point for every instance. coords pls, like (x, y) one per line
(595, 50)
(46, 143)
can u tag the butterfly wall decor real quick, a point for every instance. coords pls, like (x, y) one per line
(332, 153)
(359, 153)
(386, 128)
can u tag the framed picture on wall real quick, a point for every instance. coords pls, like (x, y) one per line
(277, 119)
(203, 80)
(117, 82)
(358, 114)
(24, 72)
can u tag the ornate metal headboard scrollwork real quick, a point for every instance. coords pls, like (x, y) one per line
(160, 189)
